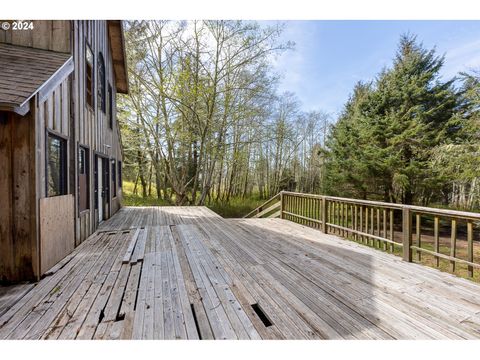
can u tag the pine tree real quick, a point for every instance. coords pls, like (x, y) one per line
(388, 130)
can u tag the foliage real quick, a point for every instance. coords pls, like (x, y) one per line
(204, 122)
(390, 130)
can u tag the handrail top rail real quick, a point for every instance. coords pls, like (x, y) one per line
(263, 205)
(421, 209)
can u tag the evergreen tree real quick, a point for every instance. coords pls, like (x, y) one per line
(386, 133)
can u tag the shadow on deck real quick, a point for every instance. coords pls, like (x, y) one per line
(187, 273)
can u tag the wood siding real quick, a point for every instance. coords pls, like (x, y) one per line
(61, 110)
(91, 127)
(46, 34)
(18, 242)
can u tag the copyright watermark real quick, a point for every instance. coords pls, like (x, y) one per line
(5, 25)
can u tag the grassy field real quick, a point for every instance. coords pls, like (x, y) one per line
(131, 199)
(235, 208)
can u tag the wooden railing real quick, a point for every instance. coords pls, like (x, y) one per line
(270, 208)
(409, 231)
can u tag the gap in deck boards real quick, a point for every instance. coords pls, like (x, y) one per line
(261, 314)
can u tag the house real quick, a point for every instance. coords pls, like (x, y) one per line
(60, 146)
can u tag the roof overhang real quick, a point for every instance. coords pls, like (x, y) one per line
(119, 59)
(27, 72)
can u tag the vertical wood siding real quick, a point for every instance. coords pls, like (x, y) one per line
(46, 34)
(91, 124)
(18, 259)
(22, 143)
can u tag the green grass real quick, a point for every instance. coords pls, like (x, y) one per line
(235, 208)
(131, 199)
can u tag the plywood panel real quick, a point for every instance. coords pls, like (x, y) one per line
(57, 237)
(17, 199)
(6, 246)
(23, 179)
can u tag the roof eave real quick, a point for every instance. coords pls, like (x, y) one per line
(119, 58)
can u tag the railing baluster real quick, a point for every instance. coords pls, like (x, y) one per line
(372, 241)
(296, 209)
(335, 209)
(304, 209)
(351, 219)
(419, 235)
(328, 204)
(392, 231)
(289, 207)
(407, 234)
(311, 215)
(385, 229)
(324, 215)
(453, 244)
(300, 209)
(378, 227)
(470, 246)
(436, 238)
(361, 223)
(355, 223)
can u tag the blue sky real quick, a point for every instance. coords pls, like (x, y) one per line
(331, 56)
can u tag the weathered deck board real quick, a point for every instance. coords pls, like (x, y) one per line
(186, 273)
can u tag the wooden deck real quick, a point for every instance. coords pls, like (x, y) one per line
(186, 273)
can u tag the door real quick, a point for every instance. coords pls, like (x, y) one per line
(83, 172)
(106, 189)
(100, 188)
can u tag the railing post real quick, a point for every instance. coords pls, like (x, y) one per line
(281, 205)
(324, 214)
(407, 233)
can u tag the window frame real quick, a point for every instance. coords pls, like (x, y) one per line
(86, 166)
(91, 103)
(102, 83)
(63, 162)
(119, 164)
(113, 177)
(110, 105)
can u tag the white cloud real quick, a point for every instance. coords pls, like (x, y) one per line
(462, 58)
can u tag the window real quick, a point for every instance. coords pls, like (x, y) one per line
(101, 83)
(83, 179)
(120, 174)
(114, 178)
(89, 75)
(56, 166)
(110, 106)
